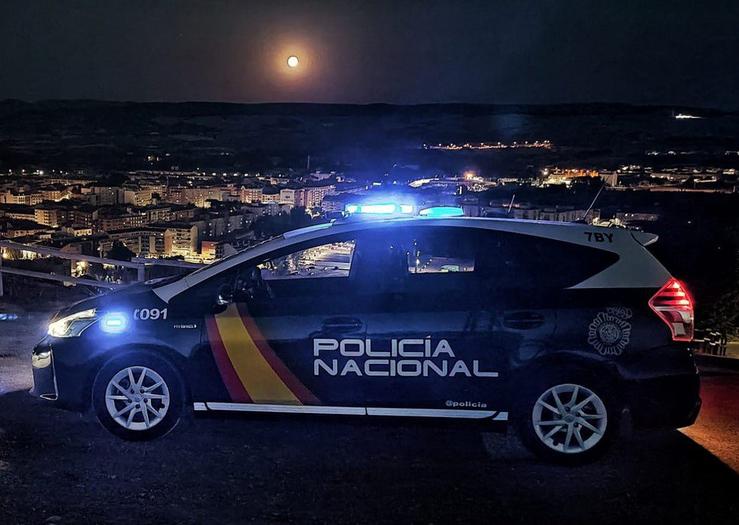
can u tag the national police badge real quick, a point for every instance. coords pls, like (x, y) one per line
(610, 331)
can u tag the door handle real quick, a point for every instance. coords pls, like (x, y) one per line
(342, 324)
(523, 320)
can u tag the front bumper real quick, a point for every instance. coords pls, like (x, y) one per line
(44, 377)
(59, 381)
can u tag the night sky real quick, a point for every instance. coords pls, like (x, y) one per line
(645, 52)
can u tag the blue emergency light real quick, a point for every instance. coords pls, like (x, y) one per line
(394, 209)
(441, 211)
(114, 323)
(386, 208)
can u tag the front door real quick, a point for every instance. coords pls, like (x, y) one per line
(272, 343)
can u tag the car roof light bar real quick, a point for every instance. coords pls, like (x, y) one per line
(384, 208)
(391, 209)
(441, 211)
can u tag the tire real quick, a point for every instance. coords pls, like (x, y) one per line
(564, 435)
(138, 396)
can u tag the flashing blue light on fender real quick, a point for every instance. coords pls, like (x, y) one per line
(114, 323)
(442, 211)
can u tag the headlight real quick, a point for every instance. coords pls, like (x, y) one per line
(72, 325)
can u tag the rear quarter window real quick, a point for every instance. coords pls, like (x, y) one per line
(511, 260)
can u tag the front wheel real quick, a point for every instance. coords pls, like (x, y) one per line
(567, 420)
(138, 397)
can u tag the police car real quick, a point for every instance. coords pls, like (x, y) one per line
(562, 329)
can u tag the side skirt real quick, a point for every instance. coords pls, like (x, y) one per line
(351, 411)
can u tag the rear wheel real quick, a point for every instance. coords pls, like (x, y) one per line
(138, 397)
(568, 419)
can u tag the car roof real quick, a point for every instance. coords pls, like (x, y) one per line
(576, 233)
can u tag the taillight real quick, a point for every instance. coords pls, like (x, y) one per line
(674, 305)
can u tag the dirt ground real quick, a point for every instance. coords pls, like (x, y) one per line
(59, 467)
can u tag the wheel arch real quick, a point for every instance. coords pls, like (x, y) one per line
(166, 353)
(603, 372)
(597, 374)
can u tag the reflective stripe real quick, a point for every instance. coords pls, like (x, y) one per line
(289, 409)
(231, 379)
(353, 411)
(303, 395)
(258, 377)
(430, 412)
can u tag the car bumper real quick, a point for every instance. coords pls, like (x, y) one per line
(664, 402)
(57, 381)
(44, 377)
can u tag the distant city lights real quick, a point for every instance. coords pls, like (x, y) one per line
(543, 144)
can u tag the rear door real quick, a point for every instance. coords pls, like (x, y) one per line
(519, 305)
(431, 341)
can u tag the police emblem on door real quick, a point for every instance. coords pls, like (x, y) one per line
(610, 331)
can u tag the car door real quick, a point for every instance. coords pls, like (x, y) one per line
(277, 340)
(519, 301)
(430, 340)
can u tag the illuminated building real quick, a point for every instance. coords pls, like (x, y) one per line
(147, 241)
(181, 240)
(51, 215)
(250, 195)
(29, 199)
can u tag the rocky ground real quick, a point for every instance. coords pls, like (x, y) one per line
(60, 467)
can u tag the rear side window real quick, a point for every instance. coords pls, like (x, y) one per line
(450, 257)
(442, 253)
(417, 260)
(510, 260)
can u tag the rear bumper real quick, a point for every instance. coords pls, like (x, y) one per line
(664, 402)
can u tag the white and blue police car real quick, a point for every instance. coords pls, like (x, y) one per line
(562, 329)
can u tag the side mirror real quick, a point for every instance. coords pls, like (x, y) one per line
(225, 295)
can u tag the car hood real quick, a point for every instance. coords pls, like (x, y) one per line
(136, 295)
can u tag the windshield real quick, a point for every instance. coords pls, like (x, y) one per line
(233, 255)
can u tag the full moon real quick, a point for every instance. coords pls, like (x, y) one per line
(292, 61)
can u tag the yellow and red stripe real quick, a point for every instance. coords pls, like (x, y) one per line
(249, 367)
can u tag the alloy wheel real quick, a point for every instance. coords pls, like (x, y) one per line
(137, 398)
(569, 418)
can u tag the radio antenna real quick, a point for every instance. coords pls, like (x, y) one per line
(510, 204)
(593, 202)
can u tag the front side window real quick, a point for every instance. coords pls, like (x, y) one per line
(327, 260)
